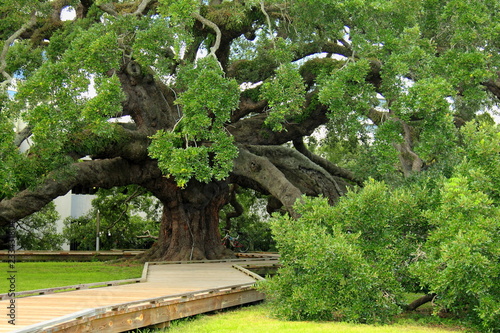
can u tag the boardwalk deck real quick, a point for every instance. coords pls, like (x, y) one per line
(161, 280)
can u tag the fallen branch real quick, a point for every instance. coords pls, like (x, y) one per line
(420, 301)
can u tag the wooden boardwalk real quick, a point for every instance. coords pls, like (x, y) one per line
(163, 286)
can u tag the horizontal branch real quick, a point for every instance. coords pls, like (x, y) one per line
(108, 8)
(98, 173)
(247, 106)
(253, 131)
(420, 301)
(262, 172)
(325, 164)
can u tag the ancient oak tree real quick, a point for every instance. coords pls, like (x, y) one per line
(185, 98)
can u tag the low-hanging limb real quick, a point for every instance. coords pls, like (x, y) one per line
(260, 173)
(325, 164)
(98, 173)
(285, 174)
(420, 301)
(309, 177)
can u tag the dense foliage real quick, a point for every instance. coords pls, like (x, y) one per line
(190, 99)
(355, 260)
(125, 215)
(38, 231)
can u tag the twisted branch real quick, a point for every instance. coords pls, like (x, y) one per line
(142, 7)
(218, 33)
(6, 46)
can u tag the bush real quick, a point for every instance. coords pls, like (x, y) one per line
(326, 273)
(38, 231)
(461, 261)
(353, 261)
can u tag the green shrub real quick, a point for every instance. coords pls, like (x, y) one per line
(354, 261)
(38, 231)
(461, 259)
(326, 274)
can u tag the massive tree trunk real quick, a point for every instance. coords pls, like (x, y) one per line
(190, 221)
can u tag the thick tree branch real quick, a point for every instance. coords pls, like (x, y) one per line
(253, 131)
(493, 86)
(325, 164)
(255, 70)
(112, 10)
(148, 101)
(99, 173)
(109, 8)
(284, 173)
(410, 161)
(331, 47)
(378, 117)
(142, 7)
(22, 135)
(309, 177)
(131, 145)
(261, 171)
(420, 301)
(246, 107)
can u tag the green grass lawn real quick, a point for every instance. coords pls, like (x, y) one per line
(256, 319)
(40, 275)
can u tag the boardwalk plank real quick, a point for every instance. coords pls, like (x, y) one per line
(162, 280)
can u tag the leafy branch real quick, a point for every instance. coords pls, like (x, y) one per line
(7, 44)
(137, 192)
